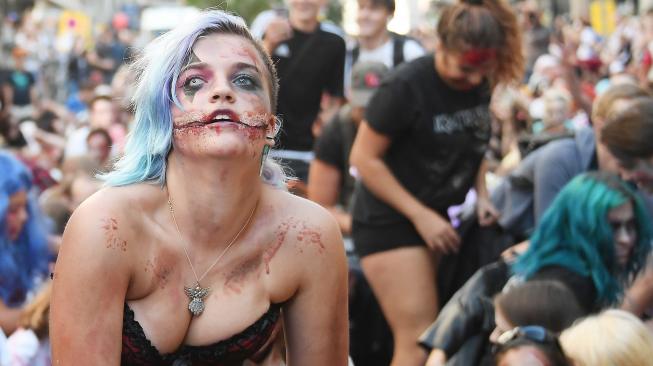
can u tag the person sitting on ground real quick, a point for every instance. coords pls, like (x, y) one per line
(548, 303)
(628, 134)
(524, 195)
(530, 346)
(594, 239)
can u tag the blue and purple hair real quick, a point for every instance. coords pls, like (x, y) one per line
(157, 70)
(23, 261)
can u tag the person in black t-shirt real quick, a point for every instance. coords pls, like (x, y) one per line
(331, 184)
(310, 60)
(330, 180)
(19, 87)
(418, 151)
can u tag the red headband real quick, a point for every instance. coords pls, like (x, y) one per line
(478, 56)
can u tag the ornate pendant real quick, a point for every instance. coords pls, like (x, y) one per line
(196, 295)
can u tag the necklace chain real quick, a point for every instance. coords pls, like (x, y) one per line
(233, 240)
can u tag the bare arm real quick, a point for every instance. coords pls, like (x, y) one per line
(324, 188)
(90, 283)
(315, 319)
(9, 318)
(437, 357)
(367, 156)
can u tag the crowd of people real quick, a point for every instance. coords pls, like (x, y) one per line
(285, 193)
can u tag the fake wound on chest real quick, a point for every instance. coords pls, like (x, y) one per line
(476, 118)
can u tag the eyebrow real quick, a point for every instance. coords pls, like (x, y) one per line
(247, 66)
(194, 65)
(238, 66)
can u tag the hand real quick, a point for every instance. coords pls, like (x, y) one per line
(486, 212)
(437, 232)
(514, 251)
(436, 358)
(277, 31)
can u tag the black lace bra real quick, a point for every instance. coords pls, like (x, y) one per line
(137, 350)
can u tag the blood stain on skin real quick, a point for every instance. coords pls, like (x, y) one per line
(237, 277)
(271, 250)
(311, 236)
(246, 52)
(110, 227)
(161, 271)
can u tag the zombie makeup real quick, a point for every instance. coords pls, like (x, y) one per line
(193, 77)
(198, 119)
(477, 57)
(222, 91)
(624, 229)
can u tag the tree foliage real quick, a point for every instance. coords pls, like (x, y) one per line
(249, 9)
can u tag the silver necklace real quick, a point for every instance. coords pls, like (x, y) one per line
(197, 293)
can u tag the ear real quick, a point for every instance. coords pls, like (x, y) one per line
(437, 44)
(272, 129)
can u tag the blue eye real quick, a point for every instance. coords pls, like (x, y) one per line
(246, 82)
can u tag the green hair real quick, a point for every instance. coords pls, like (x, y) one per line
(575, 233)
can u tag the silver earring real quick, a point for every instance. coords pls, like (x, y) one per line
(264, 156)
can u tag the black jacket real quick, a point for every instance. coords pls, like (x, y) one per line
(467, 320)
(463, 327)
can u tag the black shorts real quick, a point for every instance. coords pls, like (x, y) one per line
(370, 239)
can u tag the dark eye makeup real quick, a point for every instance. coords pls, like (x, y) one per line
(247, 81)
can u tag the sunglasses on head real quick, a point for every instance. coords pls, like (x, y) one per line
(532, 333)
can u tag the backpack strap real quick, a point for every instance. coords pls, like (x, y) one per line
(355, 52)
(398, 42)
(347, 131)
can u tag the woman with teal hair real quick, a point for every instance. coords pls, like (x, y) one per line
(194, 254)
(597, 228)
(24, 253)
(594, 239)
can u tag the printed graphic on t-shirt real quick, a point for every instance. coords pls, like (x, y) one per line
(474, 118)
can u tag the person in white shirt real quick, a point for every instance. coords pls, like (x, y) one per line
(375, 43)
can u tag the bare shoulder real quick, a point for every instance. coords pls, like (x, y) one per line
(108, 221)
(93, 271)
(311, 212)
(308, 229)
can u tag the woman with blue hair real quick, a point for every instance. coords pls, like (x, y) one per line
(193, 254)
(594, 239)
(24, 251)
(597, 228)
